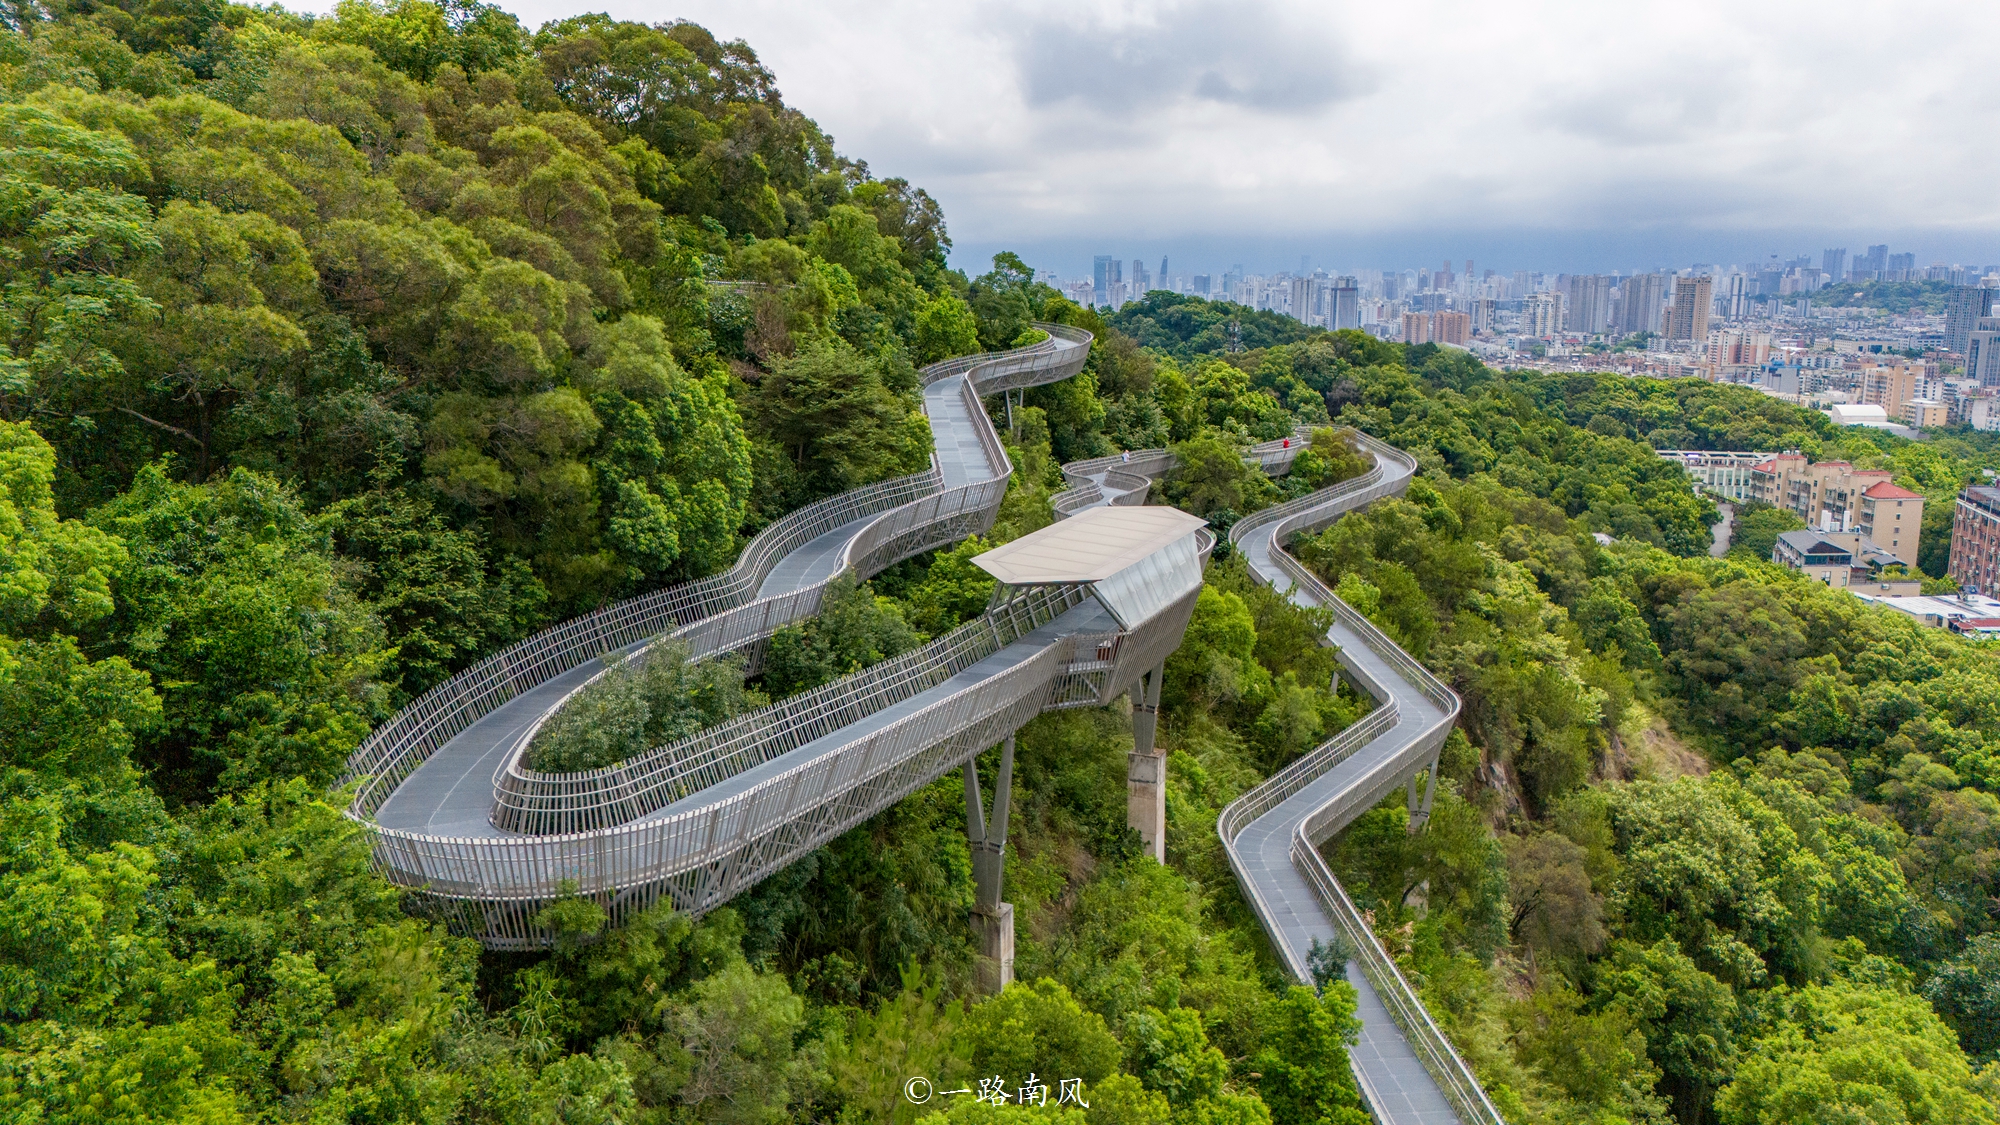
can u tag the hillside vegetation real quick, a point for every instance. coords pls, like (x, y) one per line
(342, 352)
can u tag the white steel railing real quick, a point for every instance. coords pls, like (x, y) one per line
(1133, 473)
(1454, 1078)
(1414, 749)
(488, 883)
(528, 801)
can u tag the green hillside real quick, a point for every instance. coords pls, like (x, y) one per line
(342, 352)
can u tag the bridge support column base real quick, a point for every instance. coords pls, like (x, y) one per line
(993, 927)
(1146, 768)
(1146, 800)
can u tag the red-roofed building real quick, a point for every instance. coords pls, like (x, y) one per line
(1892, 517)
(1836, 496)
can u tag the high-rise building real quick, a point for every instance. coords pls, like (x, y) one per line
(1875, 263)
(1738, 297)
(1690, 314)
(1202, 285)
(1982, 352)
(1901, 266)
(1541, 314)
(1589, 304)
(1141, 281)
(1639, 299)
(1416, 328)
(1103, 271)
(1442, 278)
(1834, 263)
(1451, 328)
(1344, 300)
(1890, 385)
(1305, 301)
(1163, 271)
(1484, 310)
(1963, 307)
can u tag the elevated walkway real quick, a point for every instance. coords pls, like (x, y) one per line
(1407, 1070)
(483, 842)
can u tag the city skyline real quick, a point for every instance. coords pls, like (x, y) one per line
(1270, 256)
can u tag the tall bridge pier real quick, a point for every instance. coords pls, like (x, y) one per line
(992, 919)
(1146, 767)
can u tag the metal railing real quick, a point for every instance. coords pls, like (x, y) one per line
(703, 856)
(491, 885)
(521, 795)
(531, 802)
(1454, 1079)
(1133, 473)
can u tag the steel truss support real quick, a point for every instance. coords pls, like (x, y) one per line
(1146, 767)
(992, 919)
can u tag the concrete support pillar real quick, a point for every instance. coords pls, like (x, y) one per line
(994, 930)
(1420, 805)
(992, 919)
(1146, 768)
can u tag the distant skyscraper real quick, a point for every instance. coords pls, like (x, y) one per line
(1982, 352)
(1451, 328)
(1901, 266)
(1834, 263)
(1140, 281)
(1876, 262)
(1691, 303)
(1738, 297)
(1639, 299)
(1589, 304)
(1541, 314)
(1416, 328)
(1103, 269)
(1345, 301)
(1483, 310)
(1963, 307)
(1201, 285)
(1305, 301)
(1163, 272)
(1442, 278)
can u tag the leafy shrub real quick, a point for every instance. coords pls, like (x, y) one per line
(638, 704)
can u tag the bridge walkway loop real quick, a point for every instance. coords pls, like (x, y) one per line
(483, 841)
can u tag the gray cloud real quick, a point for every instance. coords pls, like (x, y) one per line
(1110, 119)
(1248, 55)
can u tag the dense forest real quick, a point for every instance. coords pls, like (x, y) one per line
(341, 352)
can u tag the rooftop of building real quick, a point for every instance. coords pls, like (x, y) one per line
(1813, 543)
(1885, 491)
(1090, 546)
(1983, 495)
(1969, 612)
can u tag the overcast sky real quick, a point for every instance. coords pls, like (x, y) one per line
(1525, 135)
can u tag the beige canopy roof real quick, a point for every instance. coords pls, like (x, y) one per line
(1090, 546)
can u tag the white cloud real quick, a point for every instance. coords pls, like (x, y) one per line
(1283, 118)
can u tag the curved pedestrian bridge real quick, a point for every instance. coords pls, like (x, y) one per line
(1085, 610)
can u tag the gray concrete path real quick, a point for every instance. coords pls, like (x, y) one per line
(451, 794)
(1398, 1087)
